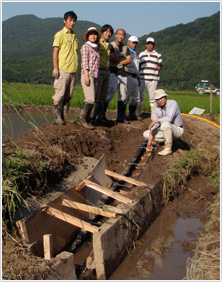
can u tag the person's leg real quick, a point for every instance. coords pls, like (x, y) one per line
(60, 85)
(142, 92)
(89, 93)
(113, 85)
(134, 98)
(67, 97)
(152, 86)
(122, 96)
(168, 137)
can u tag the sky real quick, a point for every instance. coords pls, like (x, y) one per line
(136, 17)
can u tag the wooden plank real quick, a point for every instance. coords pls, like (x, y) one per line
(81, 185)
(112, 209)
(108, 192)
(71, 219)
(48, 247)
(87, 208)
(124, 178)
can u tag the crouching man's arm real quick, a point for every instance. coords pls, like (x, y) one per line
(152, 128)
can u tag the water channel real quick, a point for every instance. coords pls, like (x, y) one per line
(162, 252)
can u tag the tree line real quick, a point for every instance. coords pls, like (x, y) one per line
(190, 52)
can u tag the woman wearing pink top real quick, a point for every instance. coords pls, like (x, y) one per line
(89, 73)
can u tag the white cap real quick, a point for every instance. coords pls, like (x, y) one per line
(159, 93)
(133, 38)
(150, 39)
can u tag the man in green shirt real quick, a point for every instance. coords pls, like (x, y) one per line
(104, 73)
(65, 62)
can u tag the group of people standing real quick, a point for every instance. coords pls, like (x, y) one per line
(105, 68)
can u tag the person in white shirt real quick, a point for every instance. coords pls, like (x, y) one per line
(167, 123)
(150, 67)
(133, 79)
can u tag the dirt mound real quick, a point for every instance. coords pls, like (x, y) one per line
(64, 146)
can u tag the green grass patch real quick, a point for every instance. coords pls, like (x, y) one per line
(27, 94)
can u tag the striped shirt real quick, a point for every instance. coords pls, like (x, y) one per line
(149, 63)
(90, 59)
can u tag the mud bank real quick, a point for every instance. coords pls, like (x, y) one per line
(119, 143)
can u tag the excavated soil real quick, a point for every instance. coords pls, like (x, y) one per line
(64, 147)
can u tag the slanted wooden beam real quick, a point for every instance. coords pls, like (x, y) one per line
(71, 219)
(108, 192)
(87, 208)
(82, 184)
(124, 178)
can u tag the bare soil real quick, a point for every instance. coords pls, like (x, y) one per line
(119, 142)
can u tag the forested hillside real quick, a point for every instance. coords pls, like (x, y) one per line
(190, 52)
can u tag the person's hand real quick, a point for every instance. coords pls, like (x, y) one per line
(87, 80)
(55, 73)
(149, 144)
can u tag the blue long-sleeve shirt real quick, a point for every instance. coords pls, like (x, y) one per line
(170, 113)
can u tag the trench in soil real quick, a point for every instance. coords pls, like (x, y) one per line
(162, 252)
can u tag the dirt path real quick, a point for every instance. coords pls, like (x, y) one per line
(62, 146)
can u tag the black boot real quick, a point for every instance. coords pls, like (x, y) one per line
(132, 112)
(90, 107)
(65, 111)
(84, 115)
(103, 113)
(121, 111)
(97, 110)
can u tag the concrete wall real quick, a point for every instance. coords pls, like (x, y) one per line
(63, 268)
(117, 235)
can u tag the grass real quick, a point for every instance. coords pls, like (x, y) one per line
(205, 264)
(195, 160)
(26, 94)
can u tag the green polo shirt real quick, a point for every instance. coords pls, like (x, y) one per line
(104, 52)
(68, 44)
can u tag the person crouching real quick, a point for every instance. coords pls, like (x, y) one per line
(167, 123)
(89, 73)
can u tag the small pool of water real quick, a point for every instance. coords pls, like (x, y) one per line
(14, 125)
(161, 253)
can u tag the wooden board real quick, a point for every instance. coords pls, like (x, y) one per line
(87, 208)
(124, 178)
(108, 192)
(71, 219)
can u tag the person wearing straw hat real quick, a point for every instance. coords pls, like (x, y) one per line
(65, 63)
(89, 73)
(167, 123)
(150, 67)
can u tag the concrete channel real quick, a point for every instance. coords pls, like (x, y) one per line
(114, 237)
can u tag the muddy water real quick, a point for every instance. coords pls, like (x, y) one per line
(162, 252)
(14, 125)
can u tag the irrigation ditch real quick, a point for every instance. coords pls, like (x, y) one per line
(63, 151)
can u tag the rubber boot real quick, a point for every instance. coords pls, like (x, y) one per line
(121, 110)
(90, 107)
(65, 111)
(132, 112)
(57, 114)
(103, 113)
(86, 108)
(98, 111)
(168, 136)
(139, 111)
